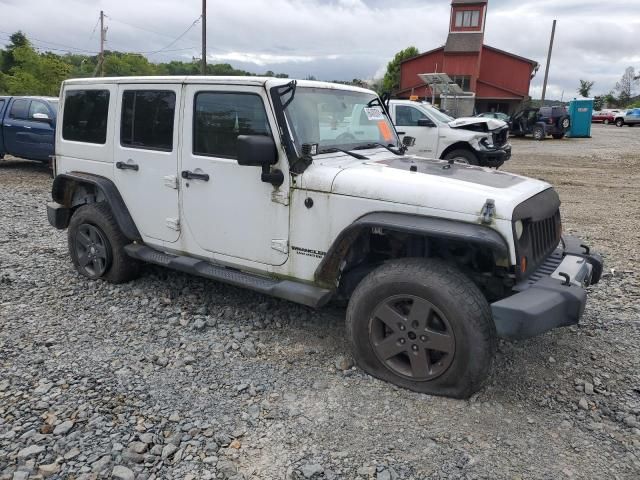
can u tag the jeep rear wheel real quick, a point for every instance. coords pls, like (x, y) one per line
(96, 245)
(462, 156)
(422, 325)
(538, 133)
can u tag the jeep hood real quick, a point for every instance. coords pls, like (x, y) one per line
(420, 182)
(477, 124)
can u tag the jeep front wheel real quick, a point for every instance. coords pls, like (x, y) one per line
(422, 325)
(462, 156)
(96, 245)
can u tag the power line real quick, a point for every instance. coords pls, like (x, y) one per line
(195, 22)
(32, 39)
(139, 28)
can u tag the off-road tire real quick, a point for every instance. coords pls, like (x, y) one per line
(462, 156)
(619, 122)
(538, 133)
(558, 136)
(120, 267)
(450, 292)
(564, 122)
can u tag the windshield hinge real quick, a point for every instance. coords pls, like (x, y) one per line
(280, 196)
(280, 245)
(488, 211)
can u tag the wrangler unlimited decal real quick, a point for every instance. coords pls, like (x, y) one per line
(308, 252)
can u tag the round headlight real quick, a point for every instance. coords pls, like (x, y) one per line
(519, 229)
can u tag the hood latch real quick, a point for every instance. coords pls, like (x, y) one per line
(488, 211)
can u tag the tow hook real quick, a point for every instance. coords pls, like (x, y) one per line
(488, 211)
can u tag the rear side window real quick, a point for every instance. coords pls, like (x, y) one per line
(85, 116)
(19, 109)
(1, 105)
(147, 119)
(220, 117)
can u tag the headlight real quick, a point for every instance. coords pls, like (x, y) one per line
(519, 229)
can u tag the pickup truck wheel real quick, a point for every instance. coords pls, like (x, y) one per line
(462, 156)
(422, 325)
(538, 133)
(96, 245)
(619, 122)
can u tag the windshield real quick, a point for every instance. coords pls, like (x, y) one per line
(333, 118)
(441, 117)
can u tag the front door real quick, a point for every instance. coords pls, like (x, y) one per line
(42, 129)
(229, 211)
(146, 150)
(406, 119)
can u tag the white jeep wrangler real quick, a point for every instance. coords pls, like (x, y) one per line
(247, 181)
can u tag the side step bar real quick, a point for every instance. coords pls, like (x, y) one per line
(288, 290)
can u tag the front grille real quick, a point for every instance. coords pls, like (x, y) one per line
(543, 237)
(501, 137)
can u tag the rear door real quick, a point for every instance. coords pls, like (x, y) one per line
(16, 128)
(3, 104)
(146, 147)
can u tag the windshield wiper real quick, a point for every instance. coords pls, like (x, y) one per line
(376, 144)
(335, 149)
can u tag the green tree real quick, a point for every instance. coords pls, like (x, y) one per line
(625, 87)
(585, 88)
(391, 80)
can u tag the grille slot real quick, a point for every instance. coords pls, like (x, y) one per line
(544, 236)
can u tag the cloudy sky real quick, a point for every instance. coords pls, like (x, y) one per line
(340, 39)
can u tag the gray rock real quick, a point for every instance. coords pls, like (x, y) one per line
(122, 473)
(138, 447)
(311, 469)
(30, 452)
(63, 428)
(582, 404)
(383, 475)
(588, 388)
(101, 464)
(344, 362)
(168, 450)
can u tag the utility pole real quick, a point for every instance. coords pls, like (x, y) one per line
(204, 37)
(103, 35)
(546, 72)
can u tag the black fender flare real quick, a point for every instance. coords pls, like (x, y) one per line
(433, 227)
(63, 193)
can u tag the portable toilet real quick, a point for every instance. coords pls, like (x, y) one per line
(580, 111)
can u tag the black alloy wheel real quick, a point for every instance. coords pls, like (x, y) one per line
(412, 337)
(93, 250)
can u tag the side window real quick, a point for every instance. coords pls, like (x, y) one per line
(220, 117)
(19, 109)
(85, 116)
(38, 107)
(408, 116)
(1, 105)
(147, 119)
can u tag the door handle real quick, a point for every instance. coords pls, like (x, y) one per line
(127, 166)
(27, 127)
(188, 175)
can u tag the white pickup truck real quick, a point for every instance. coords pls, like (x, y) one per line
(474, 140)
(262, 183)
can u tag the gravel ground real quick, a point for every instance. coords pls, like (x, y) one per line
(173, 376)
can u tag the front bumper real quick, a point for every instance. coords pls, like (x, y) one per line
(553, 296)
(494, 157)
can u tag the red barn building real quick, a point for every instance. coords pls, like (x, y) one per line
(499, 79)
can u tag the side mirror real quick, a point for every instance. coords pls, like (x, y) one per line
(425, 122)
(256, 151)
(260, 151)
(408, 141)
(41, 117)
